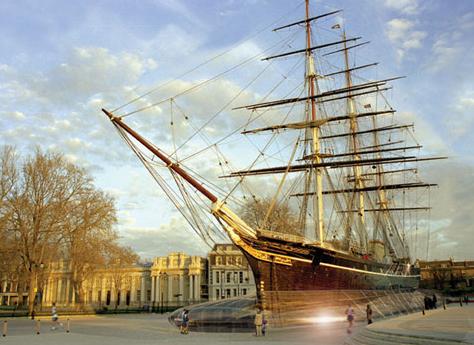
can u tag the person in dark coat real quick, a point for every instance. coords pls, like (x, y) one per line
(369, 314)
(435, 300)
(427, 302)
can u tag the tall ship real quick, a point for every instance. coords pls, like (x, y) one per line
(327, 193)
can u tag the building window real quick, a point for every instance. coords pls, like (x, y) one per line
(218, 260)
(238, 260)
(108, 298)
(241, 277)
(218, 280)
(90, 296)
(139, 295)
(235, 292)
(229, 260)
(118, 298)
(99, 296)
(228, 277)
(148, 295)
(227, 292)
(244, 292)
(217, 293)
(210, 278)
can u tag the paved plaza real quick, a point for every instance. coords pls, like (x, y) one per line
(455, 325)
(141, 329)
(440, 326)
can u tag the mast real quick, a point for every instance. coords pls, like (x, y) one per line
(358, 183)
(311, 76)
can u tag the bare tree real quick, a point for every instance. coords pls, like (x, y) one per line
(90, 230)
(8, 179)
(53, 211)
(281, 219)
(119, 258)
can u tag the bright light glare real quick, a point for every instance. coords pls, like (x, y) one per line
(326, 319)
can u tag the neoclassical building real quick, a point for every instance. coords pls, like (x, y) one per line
(114, 288)
(440, 274)
(178, 279)
(169, 282)
(229, 273)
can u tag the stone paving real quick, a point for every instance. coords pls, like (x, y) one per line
(455, 325)
(144, 329)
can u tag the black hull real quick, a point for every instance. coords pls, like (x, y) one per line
(316, 268)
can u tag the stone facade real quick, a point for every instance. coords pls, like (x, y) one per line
(440, 274)
(170, 281)
(229, 273)
(119, 288)
(177, 280)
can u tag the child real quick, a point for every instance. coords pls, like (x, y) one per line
(350, 318)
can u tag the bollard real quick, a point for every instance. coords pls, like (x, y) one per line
(423, 311)
(38, 326)
(67, 326)
(5, 328)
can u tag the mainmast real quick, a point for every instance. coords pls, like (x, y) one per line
(311, 76)
(358, 182)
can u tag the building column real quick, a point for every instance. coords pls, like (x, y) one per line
(60, 291)
(191, 288)
(68, 291)
(181, 288)
(143, 291)
(157, 290)
(153, 284)
(170, 289)
(49, 298)
(103, 294)
(133, 292)
(197, 288)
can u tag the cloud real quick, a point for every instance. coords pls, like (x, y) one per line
(452, 218)
(174, 236)
(180, 8)
(403, 34)
(409, 7)
(460, 121)
(426, 133)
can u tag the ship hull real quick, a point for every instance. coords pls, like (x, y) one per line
(307, 276)
(318, 268)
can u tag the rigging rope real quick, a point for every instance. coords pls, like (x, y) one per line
(244, 40)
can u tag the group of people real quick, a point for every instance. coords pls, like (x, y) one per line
(260, 323)
(350, 316)
(430, 302)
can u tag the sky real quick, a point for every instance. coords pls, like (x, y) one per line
(61, 61)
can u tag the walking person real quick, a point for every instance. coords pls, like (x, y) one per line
(350, 318)
(435, 300)
(185, 322)
(258, 323)
(54, 317)
(369, 314)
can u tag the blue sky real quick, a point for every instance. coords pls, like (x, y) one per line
(61, 61)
